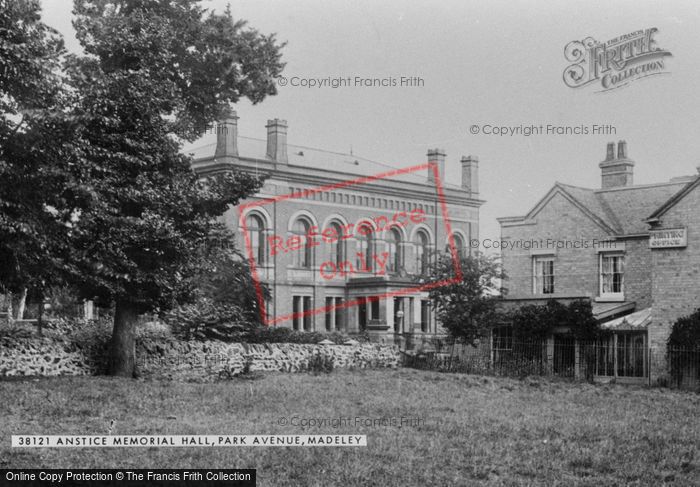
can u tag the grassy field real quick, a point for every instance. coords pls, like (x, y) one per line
(472, 430)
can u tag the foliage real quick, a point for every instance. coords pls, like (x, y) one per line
(466, 308)
(535, 322)
(153, 73)
(207, 320)
(320, 363)
(94, 189)
(685, 332)
(34, 191)
(225, 278)
(683, 348)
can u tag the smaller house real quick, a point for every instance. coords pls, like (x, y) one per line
(618, 246)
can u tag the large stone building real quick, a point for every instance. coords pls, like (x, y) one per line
(307, 192)
(633, 250)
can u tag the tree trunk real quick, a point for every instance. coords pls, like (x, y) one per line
(22, 304)
(8, 302)
(122, 353)
(40, 314)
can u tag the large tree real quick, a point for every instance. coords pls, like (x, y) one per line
(466, 308)
(153, 70)
(34, 214)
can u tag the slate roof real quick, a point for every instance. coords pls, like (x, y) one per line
(312, 158)
(625, 210)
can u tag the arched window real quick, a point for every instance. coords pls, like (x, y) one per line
(422, 251)
(303, 256)
(256, 233)
(337, 248)
(459, 245)
(365, 251)
(395, 262)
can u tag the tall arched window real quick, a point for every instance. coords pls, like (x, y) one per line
(395, 262)
(256, 233)
(337, 248)
(459, 245)
(422, 251)
(303, 256)
(365, 249)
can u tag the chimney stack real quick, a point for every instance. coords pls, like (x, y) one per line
(227, 136)
(617, 172)
(437, 156)
(610, 155)
(622, 150)
(470, 175)
(277, 140)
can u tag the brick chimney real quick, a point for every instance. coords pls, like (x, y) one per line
(470, 175)
(227, 136)
(437, 156)
(616, 172)
(277, 140)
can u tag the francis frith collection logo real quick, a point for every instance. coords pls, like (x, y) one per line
(614, 63)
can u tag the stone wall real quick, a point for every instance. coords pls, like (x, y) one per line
(172, 359)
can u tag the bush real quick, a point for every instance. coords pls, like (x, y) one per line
(206, 320)
(320, 363)
(686, 331)
(683, 349)
(535, 322)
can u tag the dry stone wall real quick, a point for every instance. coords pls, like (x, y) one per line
(168, 358)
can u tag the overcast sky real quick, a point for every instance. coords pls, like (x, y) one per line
(492, 62)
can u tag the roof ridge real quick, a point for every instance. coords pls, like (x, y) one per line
(574, 186)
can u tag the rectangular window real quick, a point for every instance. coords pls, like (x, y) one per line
(339, 315)
(425, 315)
(307, 318)
(543, 275)
(296, 310)
(329, 314)
(374, 309)
(612, 273)
(300, 305)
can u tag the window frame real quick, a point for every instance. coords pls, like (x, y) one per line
(422, 243)
(395, 261)
(612, 295)
(538, 281)
(304, 257)
(365, 238)
(256, 231)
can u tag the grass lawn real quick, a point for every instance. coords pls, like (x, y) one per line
(473, 430)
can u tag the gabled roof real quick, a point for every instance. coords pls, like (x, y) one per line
(581, 198)
(618, 211)
(673, 200)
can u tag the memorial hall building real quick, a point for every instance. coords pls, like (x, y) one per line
(632, 250)
(324, 232)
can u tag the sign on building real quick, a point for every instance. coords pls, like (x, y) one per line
(668, 238)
